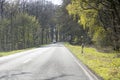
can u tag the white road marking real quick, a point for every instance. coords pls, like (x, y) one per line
(86, 72)
(28, 60)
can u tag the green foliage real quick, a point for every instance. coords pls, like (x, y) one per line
(4, 26)
(101, 37)
(86, 17)
(70, 30)
(27, 27)
(19, 32)
(108, 66)
(29, 23)
(95, 13)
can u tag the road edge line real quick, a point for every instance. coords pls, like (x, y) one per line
(87, 72)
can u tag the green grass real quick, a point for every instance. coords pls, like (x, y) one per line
(12, 52)
(106, 65)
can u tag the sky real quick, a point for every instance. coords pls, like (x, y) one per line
(57, 2)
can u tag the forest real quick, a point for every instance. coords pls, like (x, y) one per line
(100, 19)
(25, 24)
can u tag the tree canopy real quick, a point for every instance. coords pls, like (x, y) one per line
(26, 24)
(101, 17)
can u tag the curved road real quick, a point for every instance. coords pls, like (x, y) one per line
(52, 62)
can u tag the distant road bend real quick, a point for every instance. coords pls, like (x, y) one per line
(52, 62)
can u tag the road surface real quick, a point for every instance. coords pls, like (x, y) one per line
(52, 62)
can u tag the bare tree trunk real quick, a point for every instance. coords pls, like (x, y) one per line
(1, 7)
(42, 36)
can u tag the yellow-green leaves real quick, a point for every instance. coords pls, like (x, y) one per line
(87, 17)
(108, 67)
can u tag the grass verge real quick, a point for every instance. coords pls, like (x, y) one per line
(13, 52)
(106, 65)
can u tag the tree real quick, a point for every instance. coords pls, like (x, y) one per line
(69, 29)
(2, 2)
(25, 24)
(98, 16)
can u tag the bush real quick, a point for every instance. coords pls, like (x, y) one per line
(102, 38)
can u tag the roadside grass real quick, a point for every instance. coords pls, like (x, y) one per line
(16, 51)
(105, 65)
(13, 52)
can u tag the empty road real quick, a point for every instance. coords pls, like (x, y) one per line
(52, 62)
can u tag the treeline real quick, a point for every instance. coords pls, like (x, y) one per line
(25, 24)
(100, 19)
(70, 29)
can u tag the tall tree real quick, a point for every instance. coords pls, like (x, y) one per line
(99, 16)
(69, 29)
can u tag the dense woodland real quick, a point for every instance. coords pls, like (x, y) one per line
(25, 24)
(101, 20)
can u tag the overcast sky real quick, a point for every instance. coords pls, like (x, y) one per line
(58, 2)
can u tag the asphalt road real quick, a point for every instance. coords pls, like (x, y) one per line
(52, 62)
